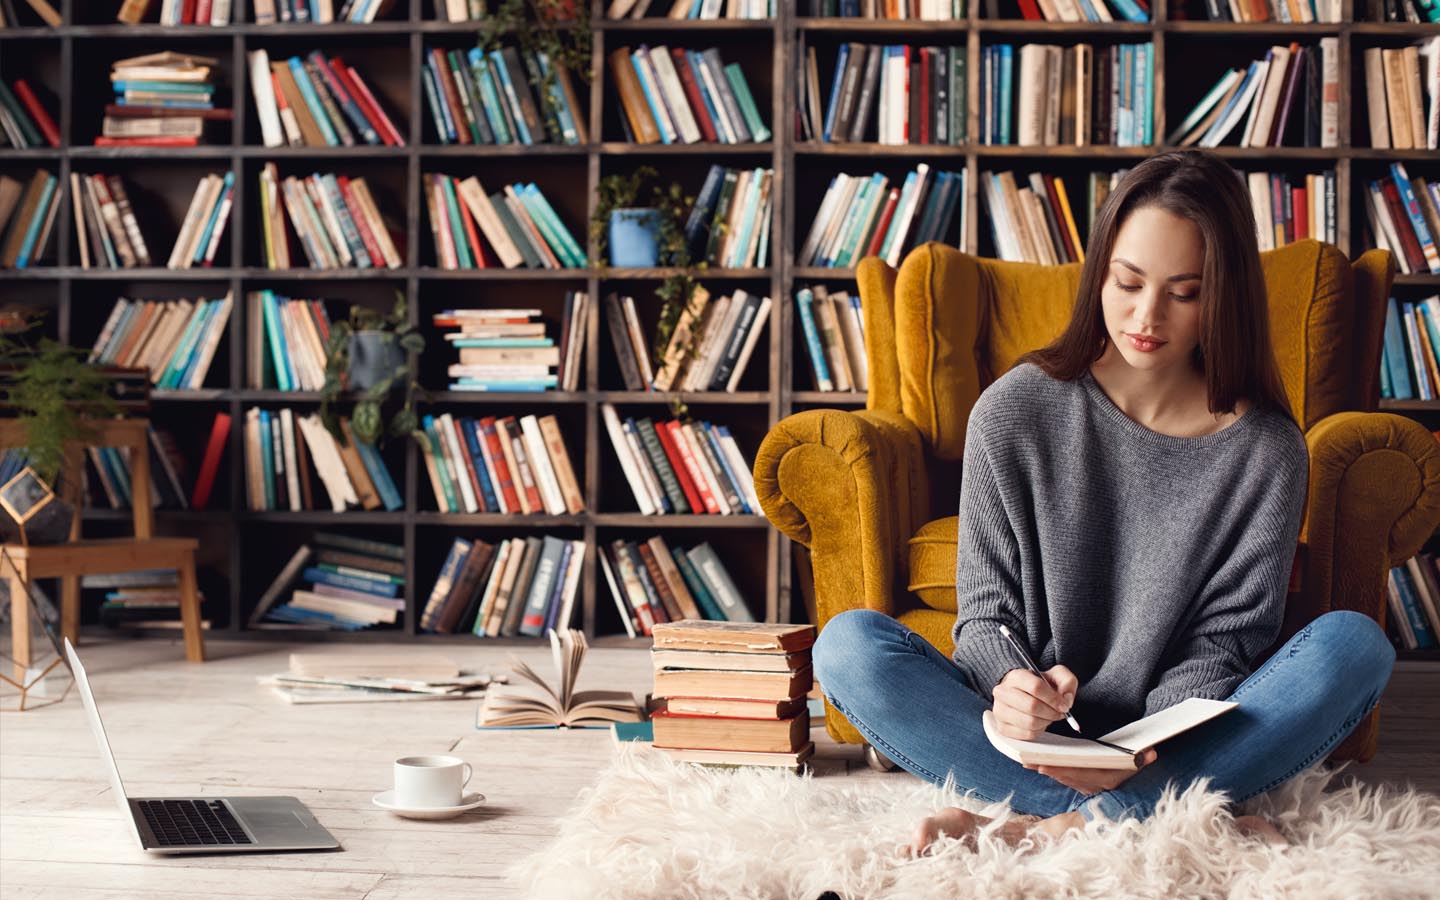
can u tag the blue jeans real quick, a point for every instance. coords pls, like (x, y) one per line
(915, 706)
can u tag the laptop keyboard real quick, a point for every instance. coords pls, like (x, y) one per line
(192, 823)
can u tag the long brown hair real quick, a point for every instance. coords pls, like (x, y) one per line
(1234, 353)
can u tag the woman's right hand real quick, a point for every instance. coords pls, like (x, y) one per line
(1026, 704)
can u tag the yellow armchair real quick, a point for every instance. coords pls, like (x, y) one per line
(874, 493)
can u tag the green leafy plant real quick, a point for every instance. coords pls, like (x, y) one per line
(367, 420)
(559, 29)
(54, 392)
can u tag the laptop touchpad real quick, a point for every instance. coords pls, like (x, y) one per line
(273, 819)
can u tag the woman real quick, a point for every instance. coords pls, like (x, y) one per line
(1130, 503)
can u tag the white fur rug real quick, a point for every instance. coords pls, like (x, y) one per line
(650, 827)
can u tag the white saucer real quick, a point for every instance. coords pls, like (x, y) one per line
(386, 800)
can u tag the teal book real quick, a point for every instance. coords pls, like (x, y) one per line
(698, 588)
(42, 212)
(199, 315)
(759, 133)
(624, 732)
(375, 468)
(213, 221)
(278, 357)
(489, 96)
(572, 249)
(307, 93)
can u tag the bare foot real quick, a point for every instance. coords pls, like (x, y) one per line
(958, 823)
(1258, 825)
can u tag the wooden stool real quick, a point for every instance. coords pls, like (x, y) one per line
(79, 557)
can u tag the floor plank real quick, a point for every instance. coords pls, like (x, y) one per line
(210, 729)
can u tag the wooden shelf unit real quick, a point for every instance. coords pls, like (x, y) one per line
(244, 543)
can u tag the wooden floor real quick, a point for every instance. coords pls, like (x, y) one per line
(179, 728)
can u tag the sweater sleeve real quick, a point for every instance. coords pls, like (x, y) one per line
(1241, 609)
(987, 578)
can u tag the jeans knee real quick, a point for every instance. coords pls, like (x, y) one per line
(843, 642)
(1356, 645)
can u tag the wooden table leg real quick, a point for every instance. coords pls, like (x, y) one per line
(19, 625)
(190, 611)
(70, 608)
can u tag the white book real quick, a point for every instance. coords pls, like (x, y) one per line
(292, 465)
(828, 205)
(1270, 98)
(621, 603)
(184, 243)
(687, 434)
(220, 12)
(709, 336)
(263, 90)
(571, 584)
(208, 344)
(648, 475)
(1048, 749)
(456, 460)
(82, 235)
(751, 339)
(1259, 185)
(843, 210)
(331, 219)
(540, 464)
(1244, 102)
(227, 199)
(698, 378)
(907, 213)
(637, 339)
(475, 198)
(679, 104)
(627, 461)
(742, 469)
(850, 326)
(328, 464)
(1330, 99)
(1030, 122)
(214, 192)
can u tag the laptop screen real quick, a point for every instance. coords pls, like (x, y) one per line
(93, 715)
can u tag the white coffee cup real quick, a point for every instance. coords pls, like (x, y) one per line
(430, 782)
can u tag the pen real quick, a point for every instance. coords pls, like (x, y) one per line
(1024, 656)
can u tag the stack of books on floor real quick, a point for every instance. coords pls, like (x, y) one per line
(106, 228)
(353, 583)
(734, 694)
(834, 330)
(1289, 98)
(518, 587)
(287, 339)
(145, 599)
(375, 677)
(505, 96)
(319, 12)
(1410, 357)
(500, 328)
(23, 121)
(865, 216)
(1404, 216)
(161, 100)
(335, 219)
(1033, 223)
(652, 584)
(1397, 115)
(27, 216)
(286, 452)
(313, 101)
(694, 467)
(168, 473)
(1414, 597)
(708, 349)
(504, 465)
(175, 339)
(913, 95)
(677, 96)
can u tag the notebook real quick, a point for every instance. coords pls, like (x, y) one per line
(1082, 753)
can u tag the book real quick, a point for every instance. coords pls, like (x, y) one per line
(741, 637)
(738, 685)
(1049, 749)
(540, 704)
(685, 732)
(735, 758)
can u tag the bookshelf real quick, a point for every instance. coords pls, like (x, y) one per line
(244, 549)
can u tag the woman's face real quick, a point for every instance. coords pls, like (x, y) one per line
(1151, 297)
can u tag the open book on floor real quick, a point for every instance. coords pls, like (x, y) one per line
(1078, 752)
(531, 703)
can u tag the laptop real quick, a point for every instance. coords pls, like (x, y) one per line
(175, 825)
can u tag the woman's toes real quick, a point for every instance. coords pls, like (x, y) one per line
(952, 822)
(1261, 827)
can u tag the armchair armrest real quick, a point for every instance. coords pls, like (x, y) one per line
(1374, 500)
(852, 487)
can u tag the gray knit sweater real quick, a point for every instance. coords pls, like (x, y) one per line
(1153, 567)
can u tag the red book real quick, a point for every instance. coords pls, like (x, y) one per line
(322, 324)
(187, 12)
(503, 480)
(471, 236)
(682, 474)
(450, 94)
(905, 131)
(1065, 235)
(1409, 243)
(468, 463)
(1031, 11)
(1300, 203)
(119, 110)
(692, 93)
(708, 503)
(362, 224)
(214, 450)
(522, 454)
(103, 141)
(372, 109)
(37, 112)
(886, 215)
(202, 13)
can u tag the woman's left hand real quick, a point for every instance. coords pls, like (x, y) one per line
(1093, 781)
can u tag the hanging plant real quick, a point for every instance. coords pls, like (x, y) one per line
(369, 354)
(559, 31)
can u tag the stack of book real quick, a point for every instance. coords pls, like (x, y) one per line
(177, 12)
(729, 225)
(1277, 11)
(320, 12)
(834, 330)
(354, 583)
(511, 336)
(708, 349)
(695, 9)
(161, 100)
(285, 453)
(1414, 598)
(1289, 98)
(27, 216)
(913, 95)
(1034, 223)
(144, 599)
(734, 694)
(931, 10)
(1403, 96)
(382, 676)
(23, 121)
(1404, 217)
(335, 218)
(695, 467)
(312, 101)
(287, 340)
(1110, 90)
(111, 466)
(476, 97)
(1286, 212)
(204, 224)
(653, 583)
(1410, 357)
(678, 96)
(521, 586)
(862, 216)
(519, 224)
(174, 339)
(500, 465)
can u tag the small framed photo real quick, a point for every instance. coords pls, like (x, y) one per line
(25, 495)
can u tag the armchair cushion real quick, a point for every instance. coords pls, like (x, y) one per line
(932, 565)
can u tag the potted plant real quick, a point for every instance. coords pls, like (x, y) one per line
(559, 31)
(626, 233)
(368, 355)
(55, 395)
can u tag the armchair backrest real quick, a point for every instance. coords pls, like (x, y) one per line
(945, 325)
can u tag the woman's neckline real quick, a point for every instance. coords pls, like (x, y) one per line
(1111, 411)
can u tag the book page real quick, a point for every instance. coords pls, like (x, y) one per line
(1167, 723)
(1062, 750)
